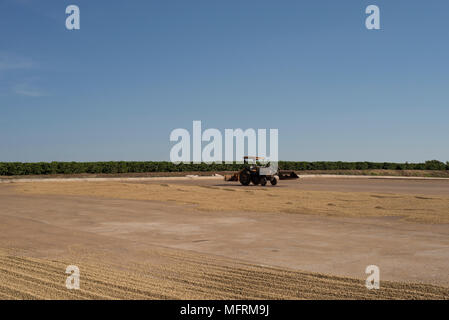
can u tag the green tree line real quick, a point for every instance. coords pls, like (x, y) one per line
(43, 168)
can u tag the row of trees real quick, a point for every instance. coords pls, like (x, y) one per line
(38, 168)
(327, 165)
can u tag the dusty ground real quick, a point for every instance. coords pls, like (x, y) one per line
(413, 200)
(372, 172)
(164, 247)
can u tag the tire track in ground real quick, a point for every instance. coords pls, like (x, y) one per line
(183, 277)
(299, 278)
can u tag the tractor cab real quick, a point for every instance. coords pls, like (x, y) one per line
(251, 162)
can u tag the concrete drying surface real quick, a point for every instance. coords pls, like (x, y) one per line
(158, 242)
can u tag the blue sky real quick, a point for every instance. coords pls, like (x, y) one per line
(136, 70)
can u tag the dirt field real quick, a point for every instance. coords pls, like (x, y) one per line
(415, 200)
(372, 172)
(172, 239)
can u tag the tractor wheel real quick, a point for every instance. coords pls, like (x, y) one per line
(255, 179)
(245, 178)
(263, 181)
(274, 180)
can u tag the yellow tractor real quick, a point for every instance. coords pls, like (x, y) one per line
(259, 175)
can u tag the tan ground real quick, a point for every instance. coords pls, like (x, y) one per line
(188, 276)
(372, 172)
(419, 208)
(129, 248)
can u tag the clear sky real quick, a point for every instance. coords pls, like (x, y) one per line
(136, 70)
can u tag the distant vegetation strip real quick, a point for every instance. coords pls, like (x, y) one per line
(46, 168)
